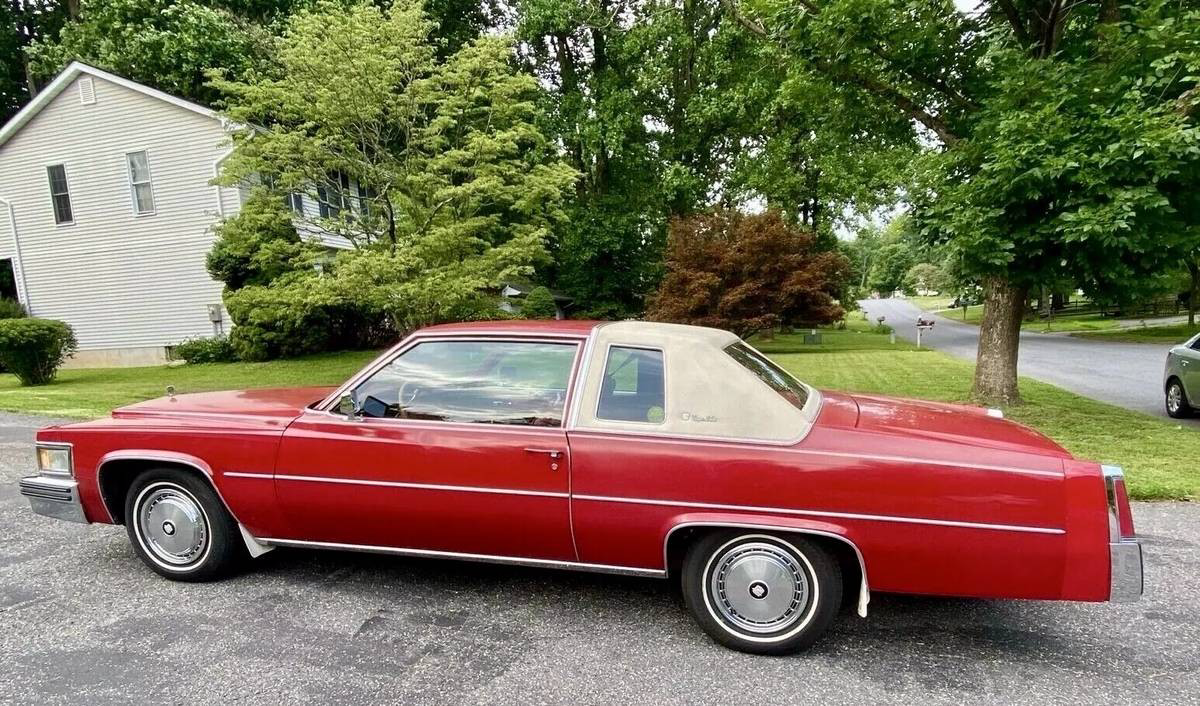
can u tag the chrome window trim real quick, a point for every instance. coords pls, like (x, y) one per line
(329, 404)
(864, 590)
(589, 346)
(823, 513)
(465, 556)
(68, 447)
(600, 392)
(756, 445)
(399, 484)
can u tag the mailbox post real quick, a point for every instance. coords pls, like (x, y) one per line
(923, 325)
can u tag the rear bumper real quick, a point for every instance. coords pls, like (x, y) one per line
(54, 497)
(1125, 584)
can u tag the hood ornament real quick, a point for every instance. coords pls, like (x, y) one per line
(171, 391)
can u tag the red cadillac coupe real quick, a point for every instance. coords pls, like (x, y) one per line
(635, 448)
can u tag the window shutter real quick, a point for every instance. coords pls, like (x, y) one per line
(87, 91)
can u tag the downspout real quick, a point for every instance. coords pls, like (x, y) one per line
(18, 261)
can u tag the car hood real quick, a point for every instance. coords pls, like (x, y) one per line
(274, 404)
(958, 423)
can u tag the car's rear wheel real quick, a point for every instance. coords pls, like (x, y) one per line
(761, 593)
(1178, 405)
(180, 528)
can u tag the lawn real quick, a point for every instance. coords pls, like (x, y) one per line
(94, 392)
(1177, 333)
(1159, 456)
(1061, 323)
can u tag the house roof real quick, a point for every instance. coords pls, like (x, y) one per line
(69, 74)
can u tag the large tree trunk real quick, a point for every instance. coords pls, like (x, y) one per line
(999, 338)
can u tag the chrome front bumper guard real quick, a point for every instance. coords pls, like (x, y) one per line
(53, 496)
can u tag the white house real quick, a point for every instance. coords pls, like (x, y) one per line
(106, 214)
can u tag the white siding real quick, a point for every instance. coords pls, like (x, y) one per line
(119, 279)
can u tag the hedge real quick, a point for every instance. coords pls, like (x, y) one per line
(33, 349)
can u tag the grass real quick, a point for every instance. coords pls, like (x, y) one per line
(1177, 333)
(1158, 455)
(1061, 323)
(90, 393)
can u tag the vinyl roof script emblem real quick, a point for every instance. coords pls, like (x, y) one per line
(690, 417)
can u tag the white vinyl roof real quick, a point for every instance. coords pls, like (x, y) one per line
(708, 393)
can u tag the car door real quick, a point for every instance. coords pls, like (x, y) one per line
(457, 446)
(1189, 369)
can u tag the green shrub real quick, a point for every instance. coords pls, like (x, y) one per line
(538, 304)
(217, 349)
(290, 319)
(34, 348)
(11, 309)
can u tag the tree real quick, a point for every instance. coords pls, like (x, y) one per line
(539, 304)
(24, 23)
(168, 44)
(924, 275)
(452, 187)
(747, 274)
(1064, 132)
(892, 263)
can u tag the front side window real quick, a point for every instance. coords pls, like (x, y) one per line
(60, 195)
(775, 377)
(633, 388)
(139, 182)
(484, 382)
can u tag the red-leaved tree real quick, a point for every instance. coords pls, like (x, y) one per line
(746, 274)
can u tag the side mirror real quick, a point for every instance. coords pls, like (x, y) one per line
(349, 406)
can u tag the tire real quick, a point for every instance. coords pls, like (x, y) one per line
(1178, 405)
(728, 582)
(180, 528)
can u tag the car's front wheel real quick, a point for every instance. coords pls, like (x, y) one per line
(1178, 405)
(761, 593)
(180, 528)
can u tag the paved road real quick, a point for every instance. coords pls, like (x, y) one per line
(82, 621)
(1125, 374)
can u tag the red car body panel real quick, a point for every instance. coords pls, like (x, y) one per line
(937, 499)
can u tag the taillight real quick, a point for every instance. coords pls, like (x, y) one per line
(1120, 516)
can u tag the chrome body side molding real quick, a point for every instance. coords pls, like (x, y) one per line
(462, 556)
(822, 513)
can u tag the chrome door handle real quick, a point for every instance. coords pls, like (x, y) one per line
(553, 453)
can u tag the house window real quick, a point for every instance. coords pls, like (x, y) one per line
(332, 197)
(139, 182)
(60, 195)
(295, 203)
(365, 195)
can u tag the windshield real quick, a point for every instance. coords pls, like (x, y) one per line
(779, 380)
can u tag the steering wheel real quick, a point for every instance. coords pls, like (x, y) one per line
(409, 392)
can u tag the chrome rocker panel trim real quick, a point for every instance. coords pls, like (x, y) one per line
(54, 496)
(482, 558)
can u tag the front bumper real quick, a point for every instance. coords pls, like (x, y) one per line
(1125, 584)
(54, 497)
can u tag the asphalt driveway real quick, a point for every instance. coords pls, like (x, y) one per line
(82, 621)
(1128, 375)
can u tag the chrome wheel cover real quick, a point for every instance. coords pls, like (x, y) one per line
(1174, 397)
(758, 587)
(171, 525)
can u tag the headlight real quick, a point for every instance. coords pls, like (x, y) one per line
(54, 458)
